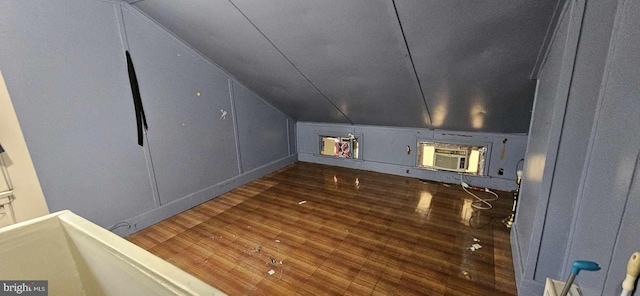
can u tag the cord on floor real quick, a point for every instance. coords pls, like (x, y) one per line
(479, 203)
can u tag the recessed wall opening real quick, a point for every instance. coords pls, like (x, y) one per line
(343, 147)
(452, 157)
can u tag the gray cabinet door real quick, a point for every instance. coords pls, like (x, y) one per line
(389, 146)
(192, 143)
(66, 74)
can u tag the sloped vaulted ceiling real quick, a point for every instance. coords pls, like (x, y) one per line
(441, 64)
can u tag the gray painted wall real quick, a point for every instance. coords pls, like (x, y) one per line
(291, 128)
(539, 133)
(192, 146)
(591, 205)
(331, 43)
(384, 149)
(234, 43)
(605, 229)
(67, 79)
(578, 124)
(451, 65)
(262, 130)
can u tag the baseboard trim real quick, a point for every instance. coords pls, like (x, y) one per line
(163, 212)
(524, 286)
(408, 171)
(515, 253)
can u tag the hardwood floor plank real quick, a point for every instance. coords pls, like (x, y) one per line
(389, 235)
(356, 289)
(323, 282)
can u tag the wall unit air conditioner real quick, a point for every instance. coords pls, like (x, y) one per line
(455, 160)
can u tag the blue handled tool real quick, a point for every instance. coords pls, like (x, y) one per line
(577, 266)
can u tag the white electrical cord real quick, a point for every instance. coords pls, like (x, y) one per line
(480, 204)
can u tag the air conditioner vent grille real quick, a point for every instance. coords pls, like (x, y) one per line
(469, 159)
(448, 162)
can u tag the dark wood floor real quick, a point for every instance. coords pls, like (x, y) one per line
(386, 235)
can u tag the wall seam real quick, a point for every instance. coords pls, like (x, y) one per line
(155, 190)
(413, 65)
(546, 43)
(291, 63)
(594, 131)
(235, 124)
(194, 51)
(560, 102)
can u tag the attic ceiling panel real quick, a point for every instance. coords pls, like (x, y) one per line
(352, 51)
(474, 59)
(219, 31)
